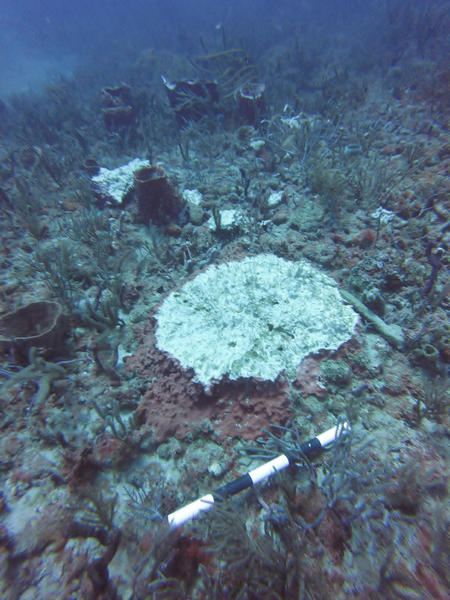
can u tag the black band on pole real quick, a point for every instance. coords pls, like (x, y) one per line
(256, 475)
(234, 487)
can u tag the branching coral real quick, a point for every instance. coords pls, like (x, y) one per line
(39, 371)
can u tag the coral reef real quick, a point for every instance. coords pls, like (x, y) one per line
(240, 267)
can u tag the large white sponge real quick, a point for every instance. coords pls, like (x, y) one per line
(253, 318)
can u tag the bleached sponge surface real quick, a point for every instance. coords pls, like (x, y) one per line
(253, 318)
(116, 183)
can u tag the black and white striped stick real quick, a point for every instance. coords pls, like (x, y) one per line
(188, 512)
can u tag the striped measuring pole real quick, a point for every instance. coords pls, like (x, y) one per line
(191, 510)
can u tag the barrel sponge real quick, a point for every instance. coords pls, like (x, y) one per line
(252, 318)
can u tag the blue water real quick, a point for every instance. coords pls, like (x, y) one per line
(40, 40)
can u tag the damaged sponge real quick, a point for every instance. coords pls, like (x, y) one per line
(252, 318)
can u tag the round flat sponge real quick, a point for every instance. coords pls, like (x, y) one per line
(253, 318)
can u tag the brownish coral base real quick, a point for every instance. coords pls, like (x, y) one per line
(175, 406)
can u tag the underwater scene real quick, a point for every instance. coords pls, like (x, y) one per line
(224, 300)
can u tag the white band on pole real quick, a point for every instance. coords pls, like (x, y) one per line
(328, 437)
(270, 468)
(188, 512)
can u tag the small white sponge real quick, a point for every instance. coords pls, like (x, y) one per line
(116, 183)
(253, 318)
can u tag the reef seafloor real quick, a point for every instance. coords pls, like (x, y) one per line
(200, 273)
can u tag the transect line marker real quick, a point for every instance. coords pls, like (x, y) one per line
(188, 512)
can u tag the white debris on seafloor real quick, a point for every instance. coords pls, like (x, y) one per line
(229, 218)
(193, 197)
(275, 198)
(383, 215)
